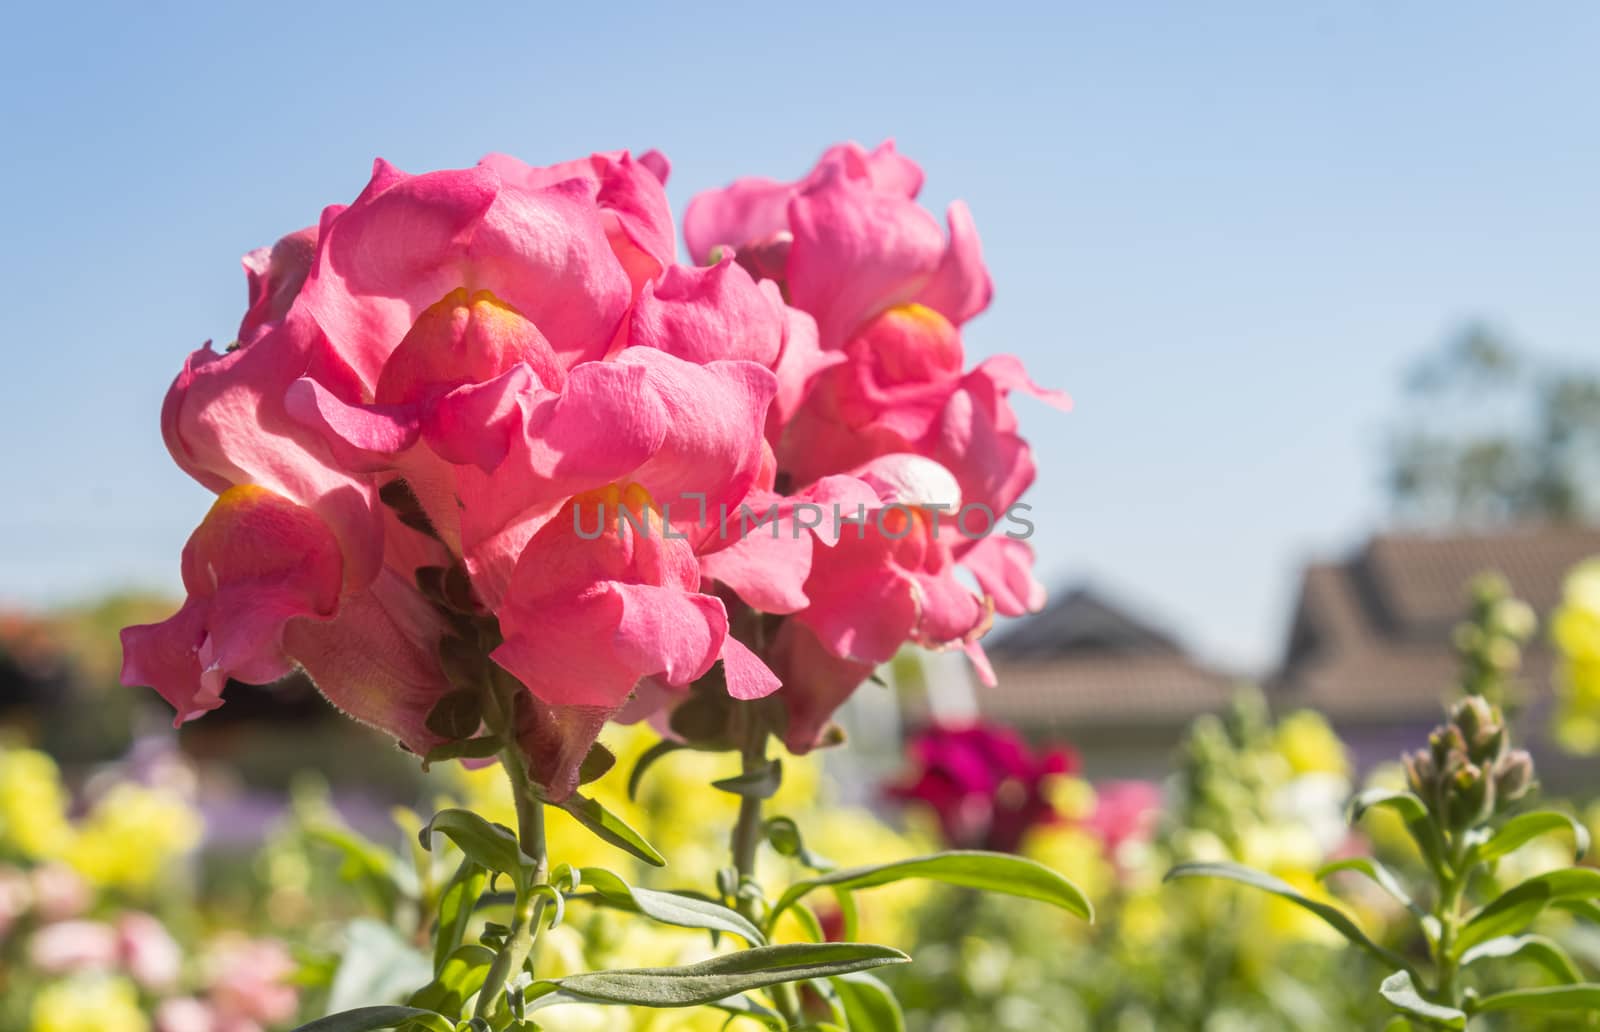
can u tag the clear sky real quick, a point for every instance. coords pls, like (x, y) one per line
(1225, 228)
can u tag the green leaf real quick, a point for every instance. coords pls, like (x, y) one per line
(492, 845)
(1381, 875)
(718, 978)
(760, 783)
(611, 828)
(744, 1007)
(646, 760)
(596, 764)
(1516, 908)
(1523, 828)
(990, 872)
(364, 1019)
(868, 1004)
(1332, 915)
(456, 715)
(1545, 952)
(1585, 996)
(1413, 811)
(462, 749)
(673, 909)
(1403, 997)
(783, 834)
(456, 903)
(459, 978)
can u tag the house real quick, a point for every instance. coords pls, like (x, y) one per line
(1369, 642)
(1087, 671)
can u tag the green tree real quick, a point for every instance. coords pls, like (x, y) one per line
(1492, 435)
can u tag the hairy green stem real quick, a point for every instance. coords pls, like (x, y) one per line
(528, 913)
(1453, 881)
(748, 832)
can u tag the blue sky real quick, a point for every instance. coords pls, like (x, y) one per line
(1225, 228)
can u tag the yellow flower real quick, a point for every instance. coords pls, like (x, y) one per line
(1306, 741)
(1075, 854)
(33, 805)
(89, 1004)
(132, 836)
(1575, 628)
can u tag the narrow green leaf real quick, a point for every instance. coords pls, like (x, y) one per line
(365, 1019)
(456, 903)
(1524, 828)
(492, 845)
(1381, 875)
(990, 872)
(462, 749)
(1516, 908)
(1581, 908)
(716, 979)
(1545, 952)
(1411, 810)
(783, 834)
(611, 828)
(458, 980)
(673, 909)
(1332, 915)
(761, 783)
(1585, 996)
(869, 1004)
(596, 764)
(1403, 997)
(636, 776)
(745, 1007)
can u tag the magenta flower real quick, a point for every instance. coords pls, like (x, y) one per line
(985, 784)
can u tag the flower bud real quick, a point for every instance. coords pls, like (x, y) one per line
(1513, 776)
(1471, 796)
(1481, 725)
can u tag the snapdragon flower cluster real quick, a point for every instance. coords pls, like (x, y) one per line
(441, 390)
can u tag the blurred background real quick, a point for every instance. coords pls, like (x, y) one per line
(1320, 281)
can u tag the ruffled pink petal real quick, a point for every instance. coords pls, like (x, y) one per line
(746, 676)
(257, 562)
(766, 572)
(857, 252)
(754, 208)
(816, 682)
(711, 453)
(1003, 568)
(226, 422)
(863, 607)
(708, 313)
(378, 660)
(275, 275)
(408, 241)
(960, 287)
(628, 191)
(602, 427)
(591, 650)
(363, 438)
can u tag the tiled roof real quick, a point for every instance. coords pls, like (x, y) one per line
(1082, 692)
(1371, 637)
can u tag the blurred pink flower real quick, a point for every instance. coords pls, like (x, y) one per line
(68, 947)
(148, 952)
(59, 892)
(1125, 811)
(185, 1014)
(250, 981)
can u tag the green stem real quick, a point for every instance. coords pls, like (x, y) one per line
(746, 840)
(528, 912)
(1451, 888)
